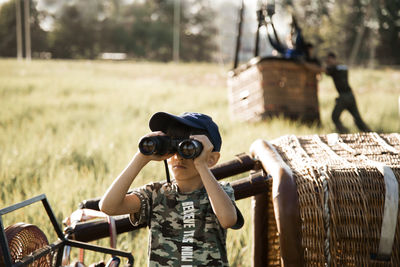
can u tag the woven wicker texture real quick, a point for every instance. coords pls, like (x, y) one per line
(342, 195)
(272, 87)
(271, 236)
(274, 254)
(23, 239)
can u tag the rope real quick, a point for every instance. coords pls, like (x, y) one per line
(326, 216)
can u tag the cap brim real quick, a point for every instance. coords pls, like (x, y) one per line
(161, 120)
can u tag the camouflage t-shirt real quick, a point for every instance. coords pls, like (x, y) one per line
(184, 231)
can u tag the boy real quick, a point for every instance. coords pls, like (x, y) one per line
(187, 218)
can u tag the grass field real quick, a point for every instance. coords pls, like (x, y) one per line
(68, 128)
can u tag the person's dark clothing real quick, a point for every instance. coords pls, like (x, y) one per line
(346, 100)
(296, 52)
(339, 74)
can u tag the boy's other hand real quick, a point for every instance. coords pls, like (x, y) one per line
(207, 149)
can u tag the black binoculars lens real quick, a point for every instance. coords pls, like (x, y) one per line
(190, 149)
(147, 146)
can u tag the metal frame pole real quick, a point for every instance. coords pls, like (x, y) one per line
(239, 36)
(18, 28)
(27, 20)
(177, 20)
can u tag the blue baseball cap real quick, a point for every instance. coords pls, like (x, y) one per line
(161, 120)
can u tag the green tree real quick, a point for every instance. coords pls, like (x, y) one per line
(142, 29)
(8, 41)
(8, 36)
(354, 29)
(76, 31)
(151, 30)
(388, 14)
(198, 32)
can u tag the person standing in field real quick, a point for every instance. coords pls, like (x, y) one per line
(188, 217)
(346, 99)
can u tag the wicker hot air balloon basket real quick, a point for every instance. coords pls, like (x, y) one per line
(270, 87)
(348, 198)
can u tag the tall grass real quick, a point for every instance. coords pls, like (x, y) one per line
(67, 128)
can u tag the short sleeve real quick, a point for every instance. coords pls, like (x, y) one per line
(145, 194)
(230, 192)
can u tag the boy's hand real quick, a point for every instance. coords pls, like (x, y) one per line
(221, 203)
(154, 157)
(207, 150)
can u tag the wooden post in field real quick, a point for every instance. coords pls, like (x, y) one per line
(27, 30)
(19, 28)
(177, 19)
(239, 36)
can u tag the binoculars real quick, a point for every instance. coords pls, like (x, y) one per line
(161, 145)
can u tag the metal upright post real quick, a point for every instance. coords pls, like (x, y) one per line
(260, 18)
(19, 28)
(239, 36)
(177, 19)
(27, 30)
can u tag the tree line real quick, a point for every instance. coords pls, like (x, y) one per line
(359, 31)
(141, 29)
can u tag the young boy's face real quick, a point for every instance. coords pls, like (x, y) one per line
(183, 169)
